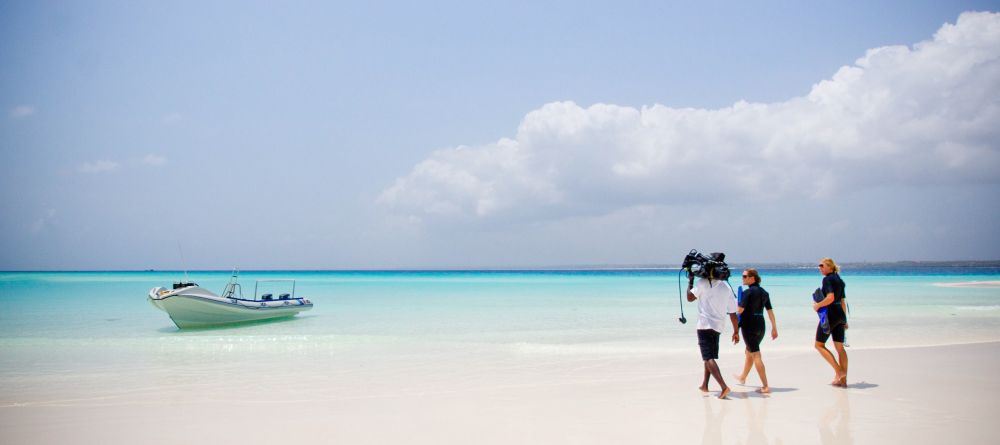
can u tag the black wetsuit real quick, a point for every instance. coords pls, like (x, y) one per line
(755, 301)
(835, 311)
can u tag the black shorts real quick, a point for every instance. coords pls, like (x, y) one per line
(708, 341)
(837, 331)
(752, 338)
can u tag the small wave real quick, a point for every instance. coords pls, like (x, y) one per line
(975, 284)
(978, 308)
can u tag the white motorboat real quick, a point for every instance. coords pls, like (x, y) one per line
(191, 306)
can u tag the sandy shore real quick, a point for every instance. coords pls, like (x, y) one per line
(912, 395)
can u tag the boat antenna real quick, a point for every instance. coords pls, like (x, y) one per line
(183, 263)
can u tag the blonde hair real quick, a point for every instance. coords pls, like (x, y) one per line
(831, 264)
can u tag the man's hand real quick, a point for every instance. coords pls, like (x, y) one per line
(736, 337)
(691, 296)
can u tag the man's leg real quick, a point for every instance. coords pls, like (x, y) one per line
(704, 344)
(713, 368)
(704, 383)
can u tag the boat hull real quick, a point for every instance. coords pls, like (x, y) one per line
(194, 309)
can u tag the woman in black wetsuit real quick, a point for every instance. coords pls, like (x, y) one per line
(836, 313)
(751, 309)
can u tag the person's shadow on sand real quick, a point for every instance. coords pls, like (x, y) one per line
(754, 394)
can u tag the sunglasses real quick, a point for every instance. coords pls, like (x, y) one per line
(746, 276)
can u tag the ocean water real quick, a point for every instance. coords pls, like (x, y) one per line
(66, 330)
(889, 307)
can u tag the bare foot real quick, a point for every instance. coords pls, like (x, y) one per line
(839, 380)
(725, 392)
(764, 390)
(703, 388)
(742, 380)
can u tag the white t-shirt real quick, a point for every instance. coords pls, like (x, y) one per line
(715, 303)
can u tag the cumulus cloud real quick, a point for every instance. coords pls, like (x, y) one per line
(929, 113)
(154, 160)
(97, 167)
(21, 111)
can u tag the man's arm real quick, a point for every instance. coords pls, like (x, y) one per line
(736, 328)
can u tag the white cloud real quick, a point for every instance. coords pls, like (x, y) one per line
(21, 111)
(929, 113)
(155, 160)
(97, 167)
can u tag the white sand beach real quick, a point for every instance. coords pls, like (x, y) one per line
(906, 395)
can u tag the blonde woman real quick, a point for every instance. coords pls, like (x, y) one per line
(836, 313)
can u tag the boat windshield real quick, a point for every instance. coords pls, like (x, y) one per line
(274, 290)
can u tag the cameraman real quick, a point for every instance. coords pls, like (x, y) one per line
(715, 300)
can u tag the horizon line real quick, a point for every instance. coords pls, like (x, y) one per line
(579, 267)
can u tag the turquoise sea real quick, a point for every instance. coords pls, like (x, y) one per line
(568, 309)
(65, 330)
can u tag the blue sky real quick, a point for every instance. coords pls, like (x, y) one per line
(453, 134)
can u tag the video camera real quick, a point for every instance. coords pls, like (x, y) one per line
(713, 266)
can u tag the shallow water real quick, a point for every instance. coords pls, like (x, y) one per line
(66, 330)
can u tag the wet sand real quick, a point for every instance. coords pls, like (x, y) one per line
(908, 395)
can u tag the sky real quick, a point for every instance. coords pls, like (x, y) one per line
(395, 135)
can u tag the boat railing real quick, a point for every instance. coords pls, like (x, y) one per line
(232, 290)
(233, 286)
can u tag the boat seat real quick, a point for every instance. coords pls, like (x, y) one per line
(283, 297)
(266, 297)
